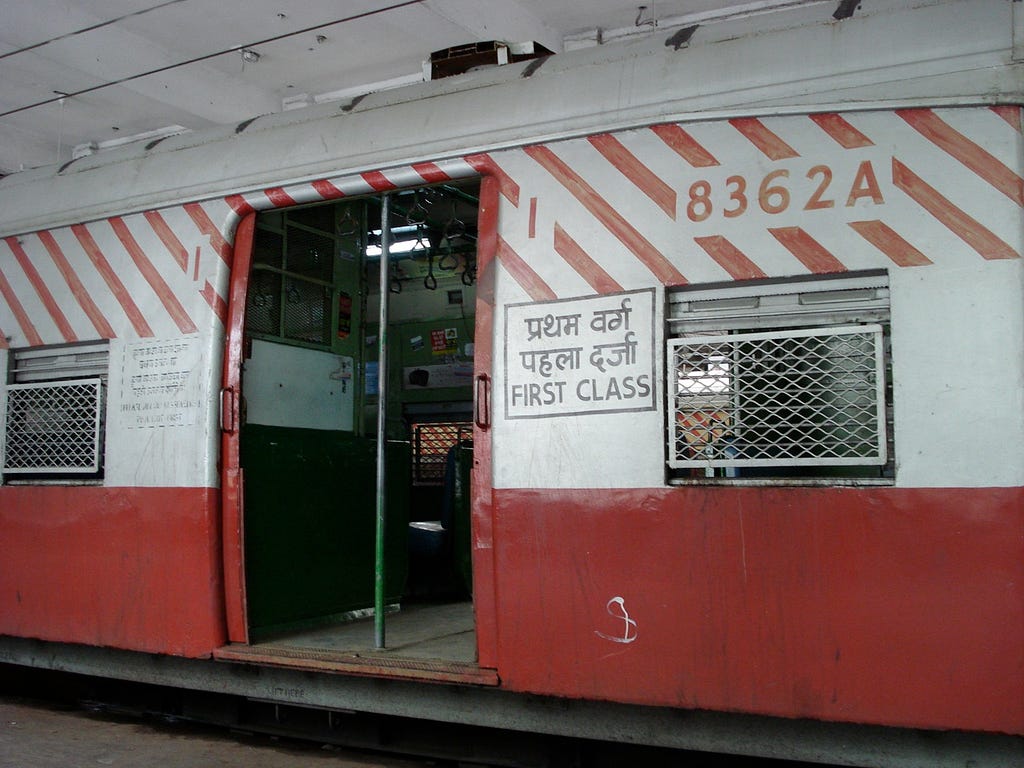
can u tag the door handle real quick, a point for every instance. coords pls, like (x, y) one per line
(482, 402)
(227, 410)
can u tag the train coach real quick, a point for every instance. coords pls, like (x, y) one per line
(669, 391)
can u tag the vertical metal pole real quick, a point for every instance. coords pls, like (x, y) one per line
(382, 399)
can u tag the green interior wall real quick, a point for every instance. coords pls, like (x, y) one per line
(310, 499)
(404, 353)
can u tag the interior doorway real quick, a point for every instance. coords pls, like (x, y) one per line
(311, 384)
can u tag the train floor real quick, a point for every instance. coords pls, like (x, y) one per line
(419, 630)
(424, 639)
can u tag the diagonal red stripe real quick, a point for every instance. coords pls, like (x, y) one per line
(839, 128)
(430, 173)
(3, 340)
(326, 190)
(684, 145)
(239, 205)
(523, 273)
(42, 291)
(152, 276)
(78, 289)
(583, 263)
(378, 181)
(24, 321)
(630, 166)
(955, 144)
(808, 251)
(217, 304)
(111, 279)
(485, 164)
(202, 220)
(1010, 114)
(761, 137)
(279, 198)
(981, 239)
(729, 257)
(891, 243)
(168, 238)
(628, 235)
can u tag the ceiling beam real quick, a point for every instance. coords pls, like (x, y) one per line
(200, 90)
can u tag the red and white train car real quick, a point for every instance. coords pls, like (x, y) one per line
(746, 367)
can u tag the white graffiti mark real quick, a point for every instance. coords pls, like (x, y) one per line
(629, 629)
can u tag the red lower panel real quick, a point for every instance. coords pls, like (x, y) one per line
(135, 568)
(893, 606)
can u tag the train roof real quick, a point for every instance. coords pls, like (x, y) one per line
(892, 53)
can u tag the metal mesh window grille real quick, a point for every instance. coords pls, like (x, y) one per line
(54, 427)
(307, 311)
(291, 284)
(263, 303)
(806, 397)
(431, 443)
(310, 255)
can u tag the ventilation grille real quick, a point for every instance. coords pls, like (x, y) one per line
(54, 427)
(783, 398)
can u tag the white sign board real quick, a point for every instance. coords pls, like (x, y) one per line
(580, 356)
(161, 384)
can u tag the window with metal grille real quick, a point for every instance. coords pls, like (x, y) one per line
(431, 442)
(781, 379)
(54, 412)
(293, 271)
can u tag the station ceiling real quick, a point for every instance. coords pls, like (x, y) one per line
(84, 75)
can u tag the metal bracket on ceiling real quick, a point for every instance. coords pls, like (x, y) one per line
(641, 21)
(846, 9)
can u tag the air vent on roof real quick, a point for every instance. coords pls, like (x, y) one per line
(492, 53)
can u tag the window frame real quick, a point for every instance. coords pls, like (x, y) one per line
(430, 451)
(56, 368)
(728, 315)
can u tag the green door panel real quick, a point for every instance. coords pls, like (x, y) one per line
(310, 506)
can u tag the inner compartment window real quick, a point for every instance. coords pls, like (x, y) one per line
(293, 276)
(431, 444)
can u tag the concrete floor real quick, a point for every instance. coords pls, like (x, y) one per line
(34, 735)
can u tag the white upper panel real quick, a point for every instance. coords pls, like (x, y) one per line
(934, 197)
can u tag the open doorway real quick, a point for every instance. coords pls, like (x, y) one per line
(311, 387)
